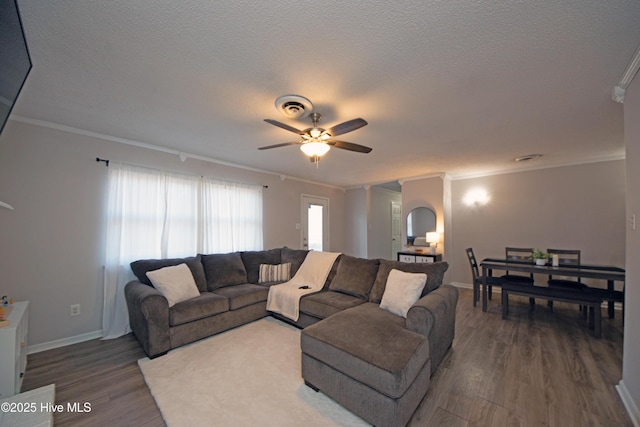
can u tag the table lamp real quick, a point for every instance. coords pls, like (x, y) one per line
(433, 237)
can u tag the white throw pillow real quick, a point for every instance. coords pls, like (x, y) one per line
(176, 283)
(402, 291)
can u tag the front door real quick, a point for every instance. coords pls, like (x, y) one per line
(315, 223)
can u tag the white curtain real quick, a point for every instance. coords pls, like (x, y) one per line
(158, 214)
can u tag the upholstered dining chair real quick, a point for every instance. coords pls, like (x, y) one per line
(477, 278)
(518, 254)
(565, 257)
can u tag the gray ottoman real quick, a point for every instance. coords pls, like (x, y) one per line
(365, 359)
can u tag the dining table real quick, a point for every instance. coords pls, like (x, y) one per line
(611, 274)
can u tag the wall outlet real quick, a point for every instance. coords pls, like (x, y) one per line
(75, 309)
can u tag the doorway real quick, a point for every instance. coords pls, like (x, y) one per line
(315, 223)
(396, 229)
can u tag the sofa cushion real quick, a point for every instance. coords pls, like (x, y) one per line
(434, 271)
(332, 272)
(402, 291)
(176, 283)
(253, 259)
(274, 273)
(324, 304)
(243, 295)
(294, 256)
(205, 305)
(370, 345)
(141, 267)
(355, 276)
(223, 270)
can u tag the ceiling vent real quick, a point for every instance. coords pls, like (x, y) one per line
(294, 106)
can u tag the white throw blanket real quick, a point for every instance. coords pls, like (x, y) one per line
(285, 297)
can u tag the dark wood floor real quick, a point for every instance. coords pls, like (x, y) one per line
(536, 368)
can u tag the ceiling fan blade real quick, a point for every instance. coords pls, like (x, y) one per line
(345, 127)
(349, 146)
(283, 126)
(284, 144)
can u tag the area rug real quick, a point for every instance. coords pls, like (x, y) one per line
(247, 376)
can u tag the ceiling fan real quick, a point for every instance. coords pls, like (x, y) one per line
(316, 141)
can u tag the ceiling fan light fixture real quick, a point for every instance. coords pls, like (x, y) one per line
(314, 148)
(315, 132)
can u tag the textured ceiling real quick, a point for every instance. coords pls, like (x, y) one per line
(454, 87)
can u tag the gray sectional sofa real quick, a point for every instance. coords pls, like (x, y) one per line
(375, 363)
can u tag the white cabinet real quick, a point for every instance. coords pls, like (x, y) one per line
(418, 257)
(13, 349)
(406, 258)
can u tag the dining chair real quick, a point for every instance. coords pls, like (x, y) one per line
(565, 257)
(477, 278)
(519, 254)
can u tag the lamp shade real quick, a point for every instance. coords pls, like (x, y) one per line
(314, 148)
(433, 237)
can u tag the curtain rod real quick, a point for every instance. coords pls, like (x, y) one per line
(106, 163)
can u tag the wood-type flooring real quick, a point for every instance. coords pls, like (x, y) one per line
(534, 369)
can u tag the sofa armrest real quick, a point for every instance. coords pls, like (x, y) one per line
(434, 316)
(148, 317)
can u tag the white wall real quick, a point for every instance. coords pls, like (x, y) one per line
(356, 222)
(631, 354)
(581, 206)
(51, 245)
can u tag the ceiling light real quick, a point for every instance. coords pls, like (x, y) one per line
(314, 148)
(528, 157)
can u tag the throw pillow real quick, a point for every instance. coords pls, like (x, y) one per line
(224, 270)
(176, 283)
(402, 291)
(434, 271)
(141, 266)
(275, 272)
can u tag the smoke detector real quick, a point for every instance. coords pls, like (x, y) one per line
(294, 106)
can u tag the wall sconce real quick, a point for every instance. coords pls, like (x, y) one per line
(433, 237)
(476, 197)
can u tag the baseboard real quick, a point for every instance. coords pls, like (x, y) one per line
(50, 345)
(629, 404)
(461, 285)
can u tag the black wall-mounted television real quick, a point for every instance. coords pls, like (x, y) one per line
(15, 62)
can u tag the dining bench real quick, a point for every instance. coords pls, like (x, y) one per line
(593, 302)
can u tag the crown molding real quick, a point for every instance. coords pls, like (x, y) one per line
(620, 89)
(455, 177)
(181, 154)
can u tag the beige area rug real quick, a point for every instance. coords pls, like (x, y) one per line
(247, 376)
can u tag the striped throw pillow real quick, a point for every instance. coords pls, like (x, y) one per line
(274, 272)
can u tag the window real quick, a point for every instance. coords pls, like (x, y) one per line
(158, 214)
